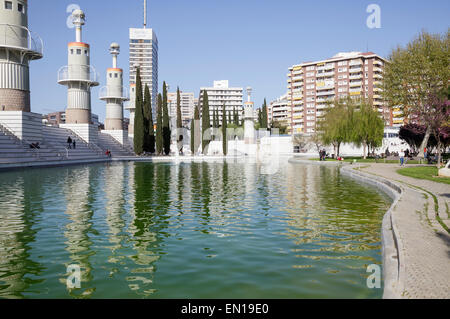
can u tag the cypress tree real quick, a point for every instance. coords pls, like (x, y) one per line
(193, 135)
(259, 117)
(206, 120)
(235, 116)
(230, 120)
(224, 131)
(139, 136)
(149, 141)
(194, 130)
(159, 137)
(165, 124)
(264, 115)
(179, 119)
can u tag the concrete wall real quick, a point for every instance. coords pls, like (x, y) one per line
(25, 125)
(88, 132)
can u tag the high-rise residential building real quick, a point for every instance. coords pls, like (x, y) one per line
(279, 111)
(312, 84)
(187, 104)
(143, 54)
(221, 94)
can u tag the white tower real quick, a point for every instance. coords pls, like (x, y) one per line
(18, 46)
(114, 95)
(249, 124)
(79, 76)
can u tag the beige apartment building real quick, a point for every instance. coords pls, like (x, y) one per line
(312, 84)
(279, 111)
(187, 105)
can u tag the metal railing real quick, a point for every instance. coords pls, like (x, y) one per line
(23, 142)
(115, 92)
(16, 36)
(86, 73)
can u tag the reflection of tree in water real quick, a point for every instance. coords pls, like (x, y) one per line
(21, 202)
(332, 211)
(151, 202)
(79, 190)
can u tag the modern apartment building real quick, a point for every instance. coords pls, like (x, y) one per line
(187, 105)
(144, 53)
(279, 110)
(221, 93)
(311, 84)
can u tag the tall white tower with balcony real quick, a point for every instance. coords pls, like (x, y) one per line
(249, 116)
(114, 95)
(79, 76)
(18, 46)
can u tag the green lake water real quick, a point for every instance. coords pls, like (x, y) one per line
(188, 230)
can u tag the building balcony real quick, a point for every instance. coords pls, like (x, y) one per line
(355, 77)
(116, 92)
(355, 62)
(20, 38)
(78, 73)
(355, 70)
(354, 84)
(325, 93)
(325, 74)
(377, 69)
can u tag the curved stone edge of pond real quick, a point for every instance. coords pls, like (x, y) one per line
(391, 243)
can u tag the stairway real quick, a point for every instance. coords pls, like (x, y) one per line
(107, 142)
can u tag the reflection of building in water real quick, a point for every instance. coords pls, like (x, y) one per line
(77, 190)
(114, 190)
(16, 234)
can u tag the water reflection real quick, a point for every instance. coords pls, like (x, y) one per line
(188, 230)
(78, 190)
(19, 207)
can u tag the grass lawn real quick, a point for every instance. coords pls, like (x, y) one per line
(424, 172)
(367, 160)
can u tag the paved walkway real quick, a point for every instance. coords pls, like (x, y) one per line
(424, 245)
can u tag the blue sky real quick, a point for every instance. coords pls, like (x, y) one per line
(248, 42)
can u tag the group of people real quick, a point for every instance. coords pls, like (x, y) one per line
(322, 154)
(71, 143)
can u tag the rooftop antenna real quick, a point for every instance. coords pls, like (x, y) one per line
(145, 13)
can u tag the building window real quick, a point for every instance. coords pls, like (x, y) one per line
(110, 75)
(115, 75)
(78, 51)
(21, 7)
(8, 5)
(71, 51)
(86, 52)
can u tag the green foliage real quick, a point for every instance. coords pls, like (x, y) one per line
(417, 71)
(159, 121)
(282, 128)
(165, 122)
(263, 123)
(206, 120)
(351, 121)
(139, 122)
(368, 127)
(224, 131)
(195, 131)
(149, 140)
(179, 118)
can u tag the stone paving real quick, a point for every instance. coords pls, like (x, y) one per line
(423, 244)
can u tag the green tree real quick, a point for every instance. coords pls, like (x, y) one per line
(335, 127)
(179, 120)
(368, 127)
(417, 72)
(159, 120)
(264, 115)
(235, 116)
(206, 121)
(224, 131)
(166, 122)
(139, 123)
(194, 131)
(149, 144)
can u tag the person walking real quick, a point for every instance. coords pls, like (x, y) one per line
(74, 144)
(402, 157)
(69, 143)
